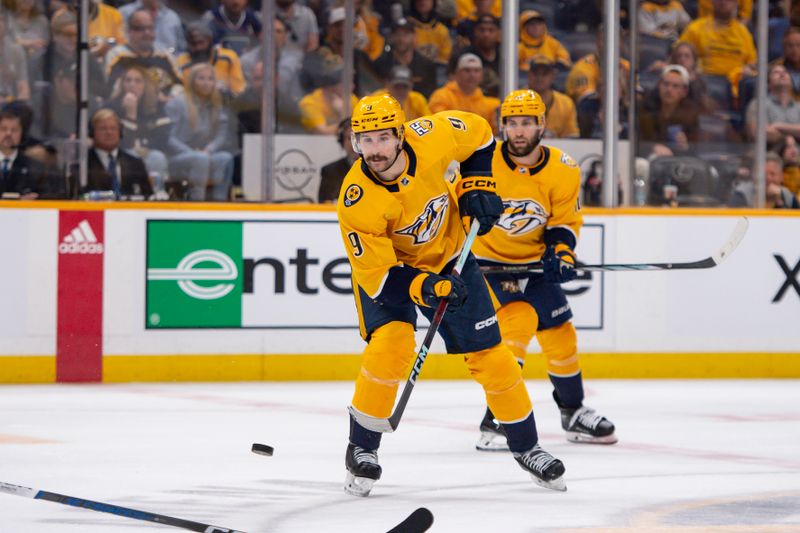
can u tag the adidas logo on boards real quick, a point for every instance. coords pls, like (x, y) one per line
(81, 240)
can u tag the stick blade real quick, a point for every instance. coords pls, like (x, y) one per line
(733, 241)
(372, 423)
(418, 521)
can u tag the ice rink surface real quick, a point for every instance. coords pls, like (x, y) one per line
(718, 456)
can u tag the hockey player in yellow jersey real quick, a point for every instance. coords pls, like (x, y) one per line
(541, 220)
(400, 215)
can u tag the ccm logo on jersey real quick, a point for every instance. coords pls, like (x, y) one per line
(421, 127)
(486, 323)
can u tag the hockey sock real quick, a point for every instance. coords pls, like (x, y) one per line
(568, 390)
(362, 437)
(522, 435)
(518, 322)
(499, 374)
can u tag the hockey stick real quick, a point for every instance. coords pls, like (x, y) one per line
(37, 494)
(420, 521)
(720, 255)
(388, 425)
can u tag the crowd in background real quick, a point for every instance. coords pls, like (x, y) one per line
(174, 86)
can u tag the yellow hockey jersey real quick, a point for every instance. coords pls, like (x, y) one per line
(541, 207)
(394, 230)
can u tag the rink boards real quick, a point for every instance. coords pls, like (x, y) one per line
(156, 292)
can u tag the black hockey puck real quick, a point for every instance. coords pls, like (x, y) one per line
(262, 449)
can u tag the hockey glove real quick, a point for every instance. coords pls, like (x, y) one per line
(485, 206)
(559, 263)
(428, 289)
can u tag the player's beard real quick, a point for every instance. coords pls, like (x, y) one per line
(524, 150)
(380, 163)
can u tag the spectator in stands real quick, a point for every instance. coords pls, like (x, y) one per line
(31, 30)
(744, 9)
(433, 37)
(288, 88)
(399, 85)
(19, 174)
(14, 67)
(783, 111)
(668, 119)
(584, 77)
(323, 109)
(57, 105)
(789, 152)
(486, 39)
(366, 80)
(464, 92)
(791, 58)
(724, 44)
(664, 19)
(106, 29)
(467, 14)
(534, 40)
(145, 124)
(169, 29)
(141, 50)
(560, 118)
(111, 168)
(591, 114)
(201, 49)
(367, 35)
(402, 51)
(200, 136)
(234, 25)
(777, 196)
(332, 174)
(685, 55)
(303, 24)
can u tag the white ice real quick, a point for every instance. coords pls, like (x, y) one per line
(721, 455)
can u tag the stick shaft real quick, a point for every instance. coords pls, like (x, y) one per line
(118, 510)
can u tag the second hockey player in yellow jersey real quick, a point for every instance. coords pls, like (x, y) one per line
(541, 220)
(400, 214)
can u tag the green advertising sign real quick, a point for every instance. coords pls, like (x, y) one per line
(194, 274)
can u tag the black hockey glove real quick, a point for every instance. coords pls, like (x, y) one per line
(486, 206)
(428, 289)
(559, 263)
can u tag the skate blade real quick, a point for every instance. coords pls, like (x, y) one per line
(491, 442)
(358, 486)
(557, 484)
(582, 438)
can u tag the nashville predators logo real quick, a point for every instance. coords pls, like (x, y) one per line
(522, 216)
(352, 195)
(428, 223)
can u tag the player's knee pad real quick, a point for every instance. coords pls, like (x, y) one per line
(501, 377)
(560, 349)
(384, 365)
(518, 322)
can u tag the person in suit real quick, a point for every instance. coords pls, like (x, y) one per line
(333, 173)
(110, 168)
(19, 175)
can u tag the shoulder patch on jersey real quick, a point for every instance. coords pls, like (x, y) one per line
(457, 123)
(567, 160)
(421, 127)
(352, 195)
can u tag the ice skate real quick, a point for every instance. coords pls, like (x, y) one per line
(584, 425)
(546, 470)
(363, 470)
(492, 438)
